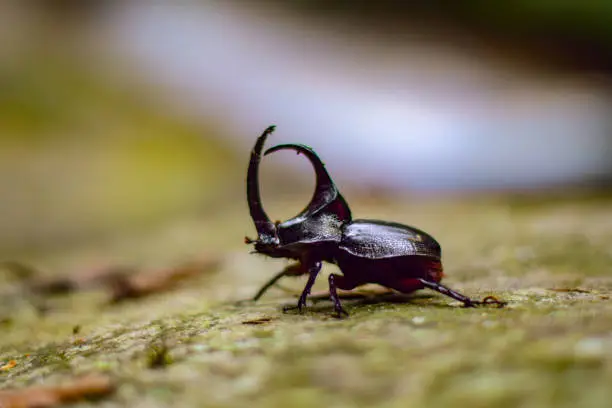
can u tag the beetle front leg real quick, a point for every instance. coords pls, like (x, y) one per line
(295, 269)
(313, 272)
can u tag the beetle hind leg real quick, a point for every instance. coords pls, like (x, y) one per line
(467, 302)
(438, 287)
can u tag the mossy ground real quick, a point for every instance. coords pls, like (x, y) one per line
(551, 346)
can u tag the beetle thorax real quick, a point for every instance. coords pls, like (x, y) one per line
(315, 228)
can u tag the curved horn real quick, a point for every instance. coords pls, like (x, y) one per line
(262, 222)
(325, 190)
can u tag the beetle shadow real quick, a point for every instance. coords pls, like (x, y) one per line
(320, 301)
(375, 298)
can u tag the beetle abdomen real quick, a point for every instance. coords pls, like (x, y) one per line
(398, 273)
(375, 239)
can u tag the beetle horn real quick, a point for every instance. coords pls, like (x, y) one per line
(262, 222)
(326, 191)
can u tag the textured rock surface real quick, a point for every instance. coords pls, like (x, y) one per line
(551, 346)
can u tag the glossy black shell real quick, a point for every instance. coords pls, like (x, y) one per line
(374, 239)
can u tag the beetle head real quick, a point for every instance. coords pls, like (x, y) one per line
(318, 222)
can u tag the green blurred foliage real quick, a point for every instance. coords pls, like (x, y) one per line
(83, 156)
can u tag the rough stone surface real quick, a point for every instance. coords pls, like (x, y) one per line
(551, 347)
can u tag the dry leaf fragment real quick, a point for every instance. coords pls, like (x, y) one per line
(570, 290)
(7, 367)
(262, 320)
(93, 386)
(145, 283)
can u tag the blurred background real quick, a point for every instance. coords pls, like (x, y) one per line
(116, 116)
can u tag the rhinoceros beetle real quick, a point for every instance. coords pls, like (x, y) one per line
(393, 255)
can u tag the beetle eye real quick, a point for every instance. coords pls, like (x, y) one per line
(265, 246)
(266, 241)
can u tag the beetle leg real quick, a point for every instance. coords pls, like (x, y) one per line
(295, 269)
(268, 285)
(448, 292)
(313, 272)
(336, 281)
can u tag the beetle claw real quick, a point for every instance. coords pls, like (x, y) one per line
(340, 314)
(301, 305)
(490, 300)
(290, 308)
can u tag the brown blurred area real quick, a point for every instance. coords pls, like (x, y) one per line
(89, 148)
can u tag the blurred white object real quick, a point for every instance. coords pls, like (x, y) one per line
(407, 115)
